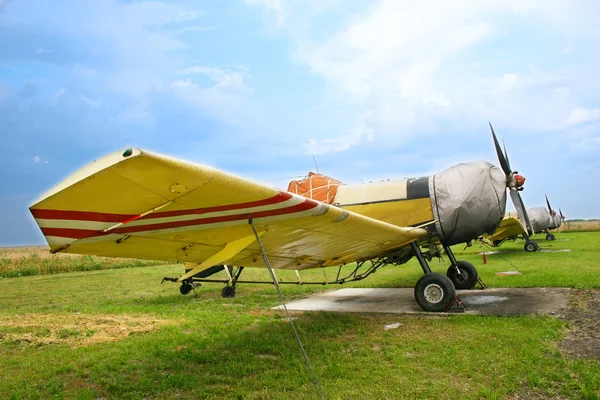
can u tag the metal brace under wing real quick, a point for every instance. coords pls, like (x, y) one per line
(229, 251)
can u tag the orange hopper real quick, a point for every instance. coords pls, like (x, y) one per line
(316, 186)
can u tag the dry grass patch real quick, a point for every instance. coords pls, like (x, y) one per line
(76, 330)
(37, 260)
(586, 225)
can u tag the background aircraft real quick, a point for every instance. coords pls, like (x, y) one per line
(542, 219)
(145, 205)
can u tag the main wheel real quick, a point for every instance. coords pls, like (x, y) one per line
(228, 292)
(550, 236)
(531, 246)
(434, 292)
(467, 277)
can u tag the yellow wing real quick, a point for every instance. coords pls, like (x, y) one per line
(509, 226)
(145, 205)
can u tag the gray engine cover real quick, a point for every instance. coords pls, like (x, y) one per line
(540, 218)
(467, 200)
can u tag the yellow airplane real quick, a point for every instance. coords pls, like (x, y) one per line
(542, 219)
(139, 204)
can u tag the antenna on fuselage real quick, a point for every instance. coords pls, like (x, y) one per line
(316, 166)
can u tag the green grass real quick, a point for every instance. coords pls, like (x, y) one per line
(120, 334)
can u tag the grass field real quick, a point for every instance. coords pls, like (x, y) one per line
(118, 333)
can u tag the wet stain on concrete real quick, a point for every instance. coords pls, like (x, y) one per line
(495, 301)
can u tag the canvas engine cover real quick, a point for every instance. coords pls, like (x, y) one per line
(540, 218)
(467, 200)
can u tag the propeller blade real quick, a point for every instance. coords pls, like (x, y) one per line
(506, 155)
(548, 202)
(561, 214)
(501, 157)
(521, 211)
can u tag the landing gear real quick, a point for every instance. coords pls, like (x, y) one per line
(434, 292)
(550, 236)
(463, 275)
(531, 246)
(186, 287)
(228, 292)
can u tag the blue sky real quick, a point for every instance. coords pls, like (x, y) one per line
(375, 89)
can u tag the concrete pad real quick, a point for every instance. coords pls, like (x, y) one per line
(496, 301)
(520, 251)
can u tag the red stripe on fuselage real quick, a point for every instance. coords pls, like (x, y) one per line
(107, 217)
(86, 233)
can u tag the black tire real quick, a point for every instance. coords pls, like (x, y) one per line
(468, 277)
(228, 292)
(185, 288)
(550, 236)
(531, 246)
(434, 292)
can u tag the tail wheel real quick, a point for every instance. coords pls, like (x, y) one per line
(467, 277)
(185, 287)
(228, 292)
(550, 236)
(434, 292)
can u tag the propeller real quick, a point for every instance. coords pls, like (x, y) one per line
(548, 203)
(549, 206)
(514, 183)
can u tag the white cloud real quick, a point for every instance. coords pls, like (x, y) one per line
(411, 64)
(79, 71)
(228, 98)
(158, 12)
(401, 45)
(54, 99)
(94, 103)
(508, 82)
(5, 90)
(197, 29)
(582, 116)
(276, 7)
(38, 159)
(323, 146)
(138, 40)
(222, 78)
(41, 51)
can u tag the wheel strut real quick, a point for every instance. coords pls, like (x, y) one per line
(462, 273)
(419, 255)
(453, 262)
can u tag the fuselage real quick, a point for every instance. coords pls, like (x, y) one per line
(456, 205)
(541, 221)
(401, 202)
